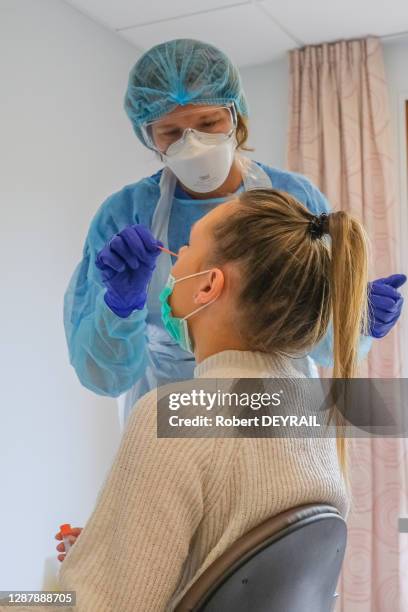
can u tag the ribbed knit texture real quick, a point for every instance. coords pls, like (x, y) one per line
(170, 507)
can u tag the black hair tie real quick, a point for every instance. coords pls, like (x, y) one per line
(318, 226)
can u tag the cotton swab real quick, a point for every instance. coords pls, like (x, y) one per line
(167, 251)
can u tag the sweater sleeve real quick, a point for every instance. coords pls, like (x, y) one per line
(131, 552)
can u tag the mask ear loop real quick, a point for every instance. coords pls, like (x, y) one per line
(191, 275)
(184, 319)
(200, 307)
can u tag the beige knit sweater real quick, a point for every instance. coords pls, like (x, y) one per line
(170, 507)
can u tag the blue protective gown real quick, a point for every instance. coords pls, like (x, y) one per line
(112, 355)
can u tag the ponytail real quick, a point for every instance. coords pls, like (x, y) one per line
(348, 284)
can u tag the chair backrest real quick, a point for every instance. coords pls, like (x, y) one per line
(289, 563)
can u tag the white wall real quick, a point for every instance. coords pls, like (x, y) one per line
(266, 87)
(396, 64)
(65, 145)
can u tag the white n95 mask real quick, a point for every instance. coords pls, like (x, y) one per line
(201, 161)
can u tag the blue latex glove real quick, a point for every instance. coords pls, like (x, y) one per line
(127, 263)
(386, 304)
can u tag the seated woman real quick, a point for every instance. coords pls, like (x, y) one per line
(258, 282)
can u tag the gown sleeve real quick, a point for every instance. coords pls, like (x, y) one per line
(107, 352)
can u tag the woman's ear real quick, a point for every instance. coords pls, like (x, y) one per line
(210, 287)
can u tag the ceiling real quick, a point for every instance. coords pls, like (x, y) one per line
(252, 31)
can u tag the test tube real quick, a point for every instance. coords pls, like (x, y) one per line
(66, 531)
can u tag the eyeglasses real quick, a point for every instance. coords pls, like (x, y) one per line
(160, 134)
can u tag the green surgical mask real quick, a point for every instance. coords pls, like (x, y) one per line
(176, 326)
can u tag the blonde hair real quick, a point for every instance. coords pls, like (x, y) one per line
(293, 283)
(242, 133)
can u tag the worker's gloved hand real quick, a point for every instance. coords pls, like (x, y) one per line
(75, 533)
(126, 264)
(385, 304)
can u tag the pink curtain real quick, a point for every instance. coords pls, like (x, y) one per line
(339, 137)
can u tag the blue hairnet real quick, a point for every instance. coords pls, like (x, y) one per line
(181, 72)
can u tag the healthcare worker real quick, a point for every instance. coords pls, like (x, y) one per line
(185, 102)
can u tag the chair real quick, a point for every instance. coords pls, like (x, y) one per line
(289, 563)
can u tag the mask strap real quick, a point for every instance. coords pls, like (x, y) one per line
(176, 280)
(198, 309)
(204, 305)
